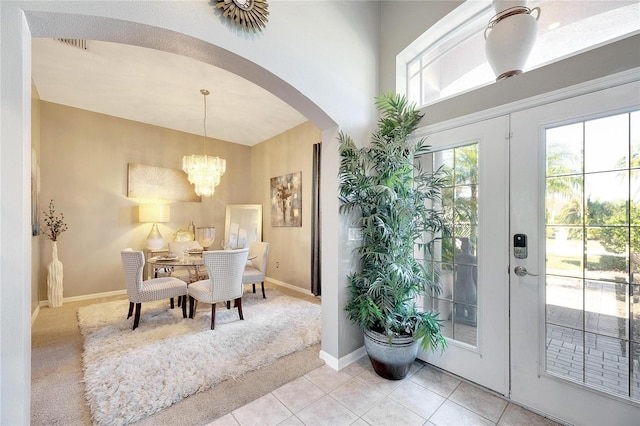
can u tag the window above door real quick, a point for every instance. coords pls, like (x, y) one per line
(449, 58)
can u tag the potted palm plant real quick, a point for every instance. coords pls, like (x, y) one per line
(392, 200)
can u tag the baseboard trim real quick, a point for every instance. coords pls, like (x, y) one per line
(45, 303)
(290, 286)
(339, 364)
(34, 314)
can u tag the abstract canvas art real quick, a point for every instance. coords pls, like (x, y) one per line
(286, 200)
(159, 183)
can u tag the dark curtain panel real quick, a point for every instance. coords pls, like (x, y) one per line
(316, 287)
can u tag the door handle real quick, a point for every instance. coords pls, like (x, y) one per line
(521, 271)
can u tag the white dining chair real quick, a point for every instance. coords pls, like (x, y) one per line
(225, 269)
(256, 269)
(139, 290)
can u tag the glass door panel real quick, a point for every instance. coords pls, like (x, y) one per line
(574, 317)
(471, 266)
(587, 274)
(458, 261)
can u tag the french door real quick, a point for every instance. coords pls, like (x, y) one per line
(472, 258)
(575, 301)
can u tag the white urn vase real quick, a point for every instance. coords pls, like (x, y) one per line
(502, 5)
(510, 37)
(54, 278)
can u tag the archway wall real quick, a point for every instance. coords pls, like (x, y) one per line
(320, 57)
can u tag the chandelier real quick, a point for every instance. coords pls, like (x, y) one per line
(204, 171)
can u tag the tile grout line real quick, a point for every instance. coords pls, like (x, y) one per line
(414, 380)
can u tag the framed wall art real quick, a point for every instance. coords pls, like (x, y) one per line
(159, 183)
(286, 200)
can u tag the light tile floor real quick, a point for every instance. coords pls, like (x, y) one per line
(357, 396)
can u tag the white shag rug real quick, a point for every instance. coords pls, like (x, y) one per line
(131, 374)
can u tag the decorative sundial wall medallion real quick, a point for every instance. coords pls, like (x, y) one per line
(247, 14)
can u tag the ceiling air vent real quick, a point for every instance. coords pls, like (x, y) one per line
(75, 42)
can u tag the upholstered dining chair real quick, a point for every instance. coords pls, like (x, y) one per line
(225, 269)
(139, 290)
(256, 269)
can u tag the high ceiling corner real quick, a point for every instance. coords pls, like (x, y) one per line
(158, 88)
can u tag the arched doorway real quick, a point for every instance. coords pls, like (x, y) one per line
(52, 24)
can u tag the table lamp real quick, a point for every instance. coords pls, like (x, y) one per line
(154, 213)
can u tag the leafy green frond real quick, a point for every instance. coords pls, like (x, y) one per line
(398, 206)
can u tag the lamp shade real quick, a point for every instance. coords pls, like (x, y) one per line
(154, 213)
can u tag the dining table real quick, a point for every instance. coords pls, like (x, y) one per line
(166, 264)
(192, 261)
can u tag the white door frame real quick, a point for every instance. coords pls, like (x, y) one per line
(530, 384)
(569, 92)
(486, 363)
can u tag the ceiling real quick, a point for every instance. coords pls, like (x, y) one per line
(158, 88)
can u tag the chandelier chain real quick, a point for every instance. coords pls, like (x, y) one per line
(204, 92)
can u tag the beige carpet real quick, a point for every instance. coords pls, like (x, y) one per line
(58, 391)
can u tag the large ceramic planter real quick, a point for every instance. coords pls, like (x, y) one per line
(391, 361)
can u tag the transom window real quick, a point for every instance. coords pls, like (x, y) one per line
(449, 58)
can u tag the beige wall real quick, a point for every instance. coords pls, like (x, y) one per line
(290, 250)
(83, 163)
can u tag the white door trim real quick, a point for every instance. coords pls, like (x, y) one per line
(531, 385)
(610, 81)
(487, 362)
